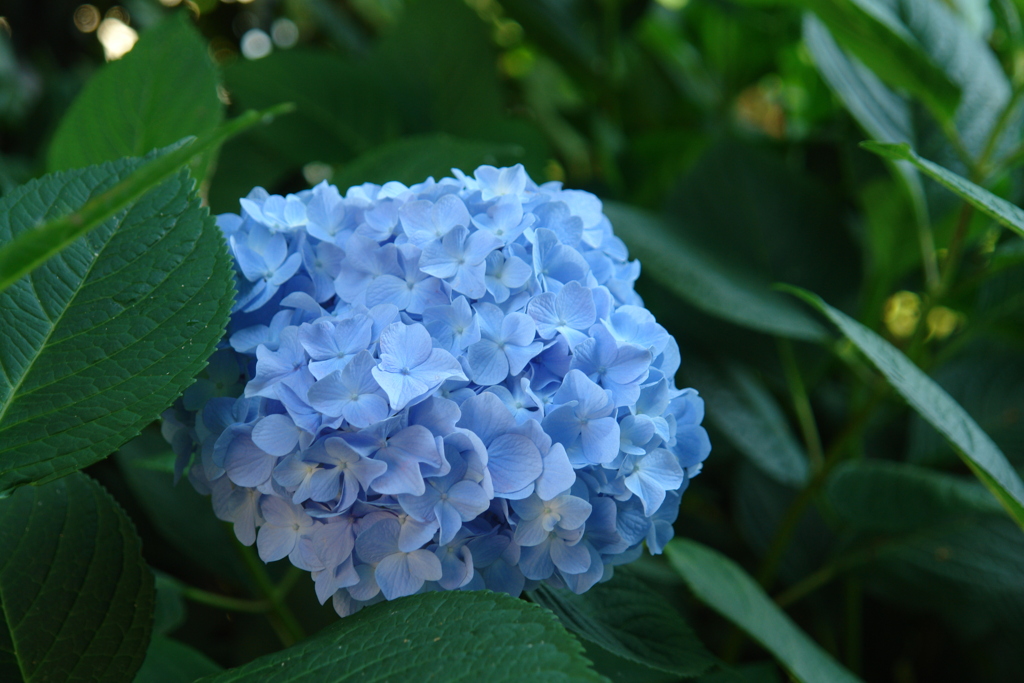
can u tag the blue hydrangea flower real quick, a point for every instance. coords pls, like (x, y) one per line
(448, 386)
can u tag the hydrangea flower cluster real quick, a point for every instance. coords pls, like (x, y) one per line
(446, 386)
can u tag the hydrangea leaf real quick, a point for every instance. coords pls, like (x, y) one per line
(76, 596)
(168, 661)
(628, 619)
(703, 282)
(26, 249)
(163, 90)
(996, 208)
(442, 636)
(722, 585)
(101, 337)
(975, 447)
(750, 417)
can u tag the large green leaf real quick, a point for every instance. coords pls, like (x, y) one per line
(700, 280)
(102, 337)
(441, 636)
(741, 407)
(722, 585)
(76, 599)
(992, 206)
(625, 617)
(978, 451)
(163, 90)
(412, 159)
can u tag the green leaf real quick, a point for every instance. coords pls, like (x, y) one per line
(56, 229)
(441, 636)
(931, 540)
(628, 619)
(978, 451)
(412, 159)
(874, 33)
(163, 90)
(893, 497)
(698, 279)
(741, 407)
(168, 661)
(104, 335)
(992, 206)
(722, 585)
(76, 599)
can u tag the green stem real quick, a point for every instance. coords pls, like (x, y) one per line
(279, 615)
(224, 602)
(801, 404)
(955, 251)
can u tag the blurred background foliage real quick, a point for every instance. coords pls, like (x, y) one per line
(735, 125)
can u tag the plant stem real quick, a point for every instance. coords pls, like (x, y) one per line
(225, 602)
(801, 404)
(279, 615)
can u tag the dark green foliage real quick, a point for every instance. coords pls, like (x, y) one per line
(76, 597)
(629, 620)
(449, 636)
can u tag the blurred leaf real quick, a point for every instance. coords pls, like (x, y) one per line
(936, 542)
(184, 518)
(439, 66)
(988, 383)
(873, 31)
(750, 417)
(770, 216)
(560, 31)
(893, 497)
(164, 89)
(57, 229)
(169, 610)
(698, 279)
(412, 159)
(450, 636)
(992, 206)
(881, 112)
(722, 585)
(168, 661)
(77, 598)
(628, 619)
(102, 337)
(978, 451)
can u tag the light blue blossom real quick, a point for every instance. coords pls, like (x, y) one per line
(410, 368)
(443, 386)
